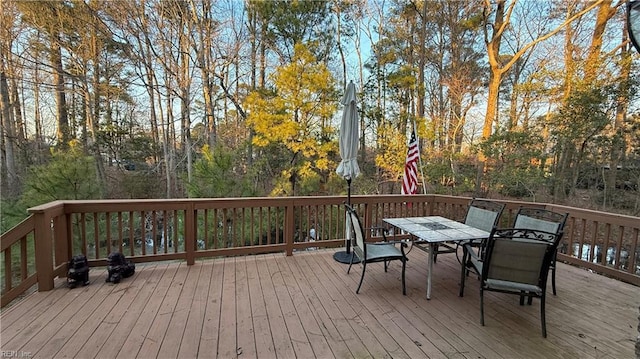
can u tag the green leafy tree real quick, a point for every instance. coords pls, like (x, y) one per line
(70, 175)
(286, 23)
(574, 128)
(213, 175)
(296, 114)
(515, 163)
(392, 154)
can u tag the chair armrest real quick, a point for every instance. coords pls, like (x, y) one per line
(385, 241)
(402, 243)
(471, 259)
(469, 249)
(480, 245)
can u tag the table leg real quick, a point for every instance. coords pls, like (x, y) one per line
(432, 248)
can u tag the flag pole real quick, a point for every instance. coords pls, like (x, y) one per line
(415, 130)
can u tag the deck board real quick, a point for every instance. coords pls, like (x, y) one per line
(299, 302)
(210, 328)
(246, 342)
(88, 317)
(177, 324)
(261, 331)
(281, 340)
(228, 322)
(377, 307)
(337, 308)
(323, 308)
(268, 306)
(112, 331)
(193, 327)
(135, 339)
(355, 317)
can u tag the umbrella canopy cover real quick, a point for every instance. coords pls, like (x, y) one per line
(349, 135)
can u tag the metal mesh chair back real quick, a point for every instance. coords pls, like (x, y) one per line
(483, 214)
(516, 261)
(540, 219)
(357, 233)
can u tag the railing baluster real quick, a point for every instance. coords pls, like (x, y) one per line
(24, 271)
(96, 238)
(120, 234)
(143, 231)
(8, 273)
(131, 234)
(108, 242)
(83, 234)
(618, 247)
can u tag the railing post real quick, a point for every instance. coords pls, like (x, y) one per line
(289, 223)
(191, 231)
(44, 250)
(61, 233)
(430, 204)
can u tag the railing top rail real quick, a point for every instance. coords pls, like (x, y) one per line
(22, 229)
(593, 214)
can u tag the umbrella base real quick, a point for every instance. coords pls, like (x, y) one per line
(344, 257)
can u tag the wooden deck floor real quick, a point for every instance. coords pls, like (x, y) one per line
(305, 306)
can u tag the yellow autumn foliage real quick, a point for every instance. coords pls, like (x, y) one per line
(297, 113)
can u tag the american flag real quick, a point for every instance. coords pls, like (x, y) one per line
(410, 179)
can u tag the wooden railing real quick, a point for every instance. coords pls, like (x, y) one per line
(38, 249)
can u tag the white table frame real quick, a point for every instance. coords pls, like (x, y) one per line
(433, 230)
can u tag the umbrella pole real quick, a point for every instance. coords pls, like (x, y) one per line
(348, 238)
(347, 256)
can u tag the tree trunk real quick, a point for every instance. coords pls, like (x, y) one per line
(605, 12)
(421, 63)
(8, 134)
(95, 117)
(63, 132)
(152, 83)
(496, 70)
(21, 128)
(618, 143)
(339, 45)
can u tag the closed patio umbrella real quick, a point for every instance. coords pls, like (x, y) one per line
(348, 167)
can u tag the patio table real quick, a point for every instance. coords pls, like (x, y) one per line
(433, 230)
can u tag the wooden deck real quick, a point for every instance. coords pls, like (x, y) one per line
(305, 306)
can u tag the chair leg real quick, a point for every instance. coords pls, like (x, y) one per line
(404, 287)
(553, 271)
(464, 272)
(350, 263)
(462, 279)
(481, 306)
(364, 267)
(435, 253)
(553, 278)
(542, 318)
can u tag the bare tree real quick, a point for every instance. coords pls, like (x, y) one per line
(497, 19)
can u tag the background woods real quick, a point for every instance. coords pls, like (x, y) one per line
(165, 99)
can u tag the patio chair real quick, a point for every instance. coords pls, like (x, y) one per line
(516, 262)
(384, 251)
(546, 220)
(482, 214)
